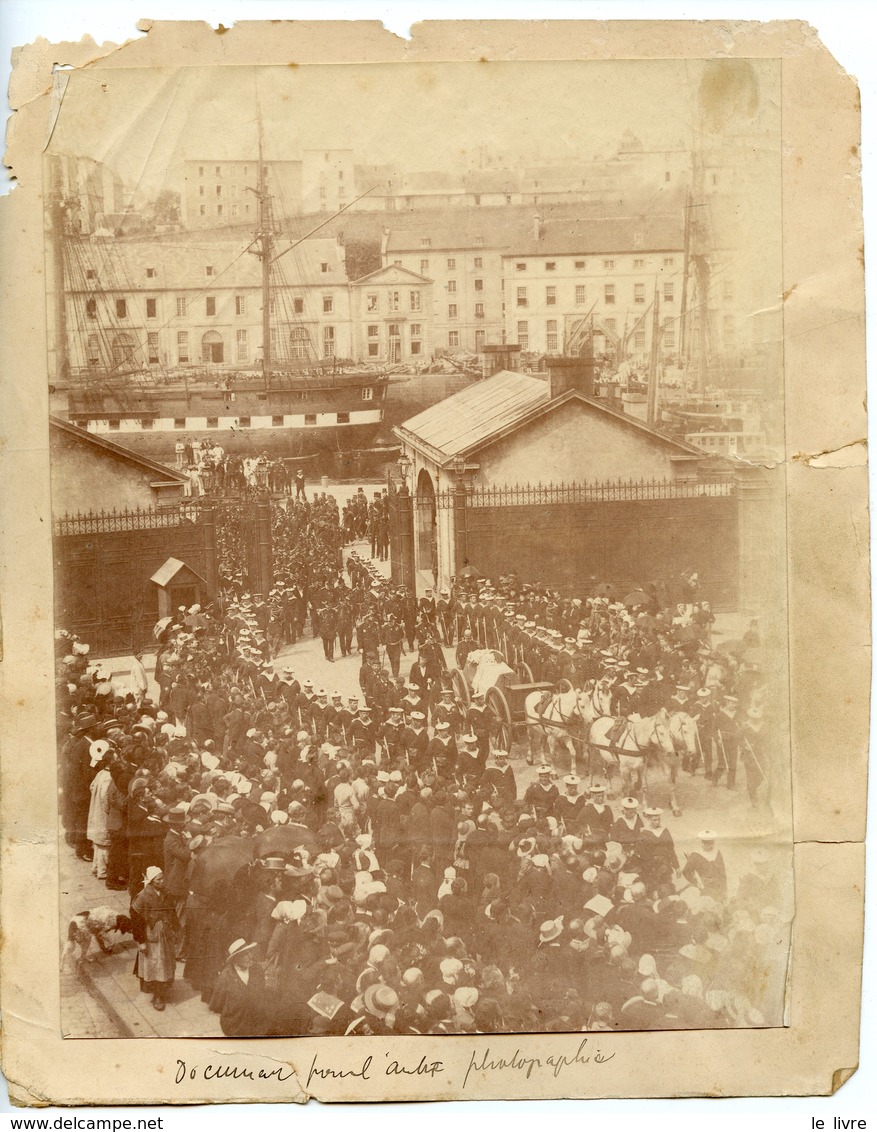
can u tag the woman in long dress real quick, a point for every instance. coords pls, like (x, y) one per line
(98, 829)
(157, 958)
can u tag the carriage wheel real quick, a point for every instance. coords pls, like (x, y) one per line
(498, 706)
(525, 673)
(461, 688)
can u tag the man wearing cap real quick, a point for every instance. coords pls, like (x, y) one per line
(656, 852)
(327, 626)
(304, 704)
(445, 617)
(441, 751)
(627, 826)
(177, 856)
(597, 816)
(541, 796)
(500, 779)
(415, 740)
(705, 868)
(569, 807)
(344, 625)
(448, 710)
(478, 722)
(392, 636)
(464, 646)
(363, 732)
(727, 742)
(391, 734)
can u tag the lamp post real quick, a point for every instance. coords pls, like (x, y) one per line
(458, 466)
(402, 517)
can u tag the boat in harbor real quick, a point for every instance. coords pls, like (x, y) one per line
(172, 336)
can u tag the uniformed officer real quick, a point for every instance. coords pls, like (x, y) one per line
(569, 807)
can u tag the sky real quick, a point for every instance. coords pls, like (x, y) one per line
(143, 123)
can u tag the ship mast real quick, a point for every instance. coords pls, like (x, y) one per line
(265, 236)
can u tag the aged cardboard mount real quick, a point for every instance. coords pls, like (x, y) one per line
(812, 549)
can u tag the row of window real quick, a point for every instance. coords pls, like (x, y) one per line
(668, 338)
(451, 285)
(234, 169)
(426, 242)
(609, 294)
(213, 422)
(453, 310)
(183, 306)
(581, 264)
(477, 263)
(394, 301)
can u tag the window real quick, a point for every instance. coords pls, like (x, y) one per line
(637, 239)
(609, 264)
(639, 340)
(668, 292)
(550, 266)
(478, 263)
(397, 263)
(219, 190)
(416, 334)
(452, 310)
(425, 242)
(452, 286)
(639, 263)
(639, 292)
(213, 422)
(479, 284)
(479, 310)
(243, 422)
(200, 170)
(310, 418)
(478, 240)
(152, 347)
(424, 266)
(371, 302)
(580, 294)
(200, 190)
(90, 273)
(551, 335)
(182, 349)
(669, 261)
(609, 293)
(242, 345)
(522, 296)
(323, 195)
(324, 268)
(234, 210)
(374, 331)
(452, 265)
(219, 210)
(299, 342)
(179, 422)
(666, 174)
(121, 308)
(150, 273)
(202, 211)
(277, 421)
(218, 170)
(342, 418)
(240, 304)
(328, 304)
(147, 422)
(580, 265)
(328, 341)
(523, 335)
(151, 308)
(669, 339)
(93, 350)
(114, 425)
(453, 338)
(181, 308)
(551, 296)
(393, 297)
(416, 330)
(298, 306)
(367, 393)
(234, 191)
(208, 270)
(609, 323)
(373, 349)
(274, 339)
(210, 305)
(520, 267)
(91, 308)
(414, 300)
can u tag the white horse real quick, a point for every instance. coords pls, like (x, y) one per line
(560, 717)
(631, 746)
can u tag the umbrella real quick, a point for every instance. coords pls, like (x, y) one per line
(283, 840)
(218, 866)
(160, 626)
(734, 646)
(638, 597)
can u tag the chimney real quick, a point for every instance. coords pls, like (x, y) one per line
(495, 358)
(571, 373)
(537, 227)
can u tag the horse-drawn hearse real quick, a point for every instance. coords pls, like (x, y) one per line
(575, 727)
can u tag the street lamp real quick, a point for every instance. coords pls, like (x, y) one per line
(404, 465)
(458, 466)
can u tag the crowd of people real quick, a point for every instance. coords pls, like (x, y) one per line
(374, 864)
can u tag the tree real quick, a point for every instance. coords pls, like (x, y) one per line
(165, 209)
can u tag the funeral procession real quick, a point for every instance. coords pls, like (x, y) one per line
(419, 638)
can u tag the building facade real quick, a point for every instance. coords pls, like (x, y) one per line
(391, 312)
(217, 193)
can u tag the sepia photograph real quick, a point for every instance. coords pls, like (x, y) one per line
(418, 528)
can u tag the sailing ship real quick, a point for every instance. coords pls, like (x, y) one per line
(128, 315)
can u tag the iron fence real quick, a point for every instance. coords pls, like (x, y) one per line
(125, 519)
(609, 491)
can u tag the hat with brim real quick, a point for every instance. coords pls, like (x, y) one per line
(550, 930)
(238, 948)
(380, 1000)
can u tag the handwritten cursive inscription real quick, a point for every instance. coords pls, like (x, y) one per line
(231, 1072)
(556, 1062)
